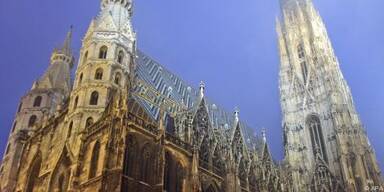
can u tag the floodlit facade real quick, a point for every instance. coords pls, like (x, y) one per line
(126, 123)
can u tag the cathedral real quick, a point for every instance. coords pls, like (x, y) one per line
(126, 123)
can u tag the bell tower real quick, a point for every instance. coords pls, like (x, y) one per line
(321, 126)
(106, 60)
(46, 98)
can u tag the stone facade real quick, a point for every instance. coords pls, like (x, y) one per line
(129, 124)
(324, 138)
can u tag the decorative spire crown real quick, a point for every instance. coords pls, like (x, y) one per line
(65, 51)
(202, 89)
(66, 47)
(124, 3)
(292, 4)
(237, 114)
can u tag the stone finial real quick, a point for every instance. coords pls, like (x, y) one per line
(264, 134)
(66, 49)
(202, 89)
(237, 114)
(126, 4)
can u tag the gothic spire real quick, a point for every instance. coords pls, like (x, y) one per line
(66, 47)
(292, 4)
(202, 89)
(264, 135)
(124, 3)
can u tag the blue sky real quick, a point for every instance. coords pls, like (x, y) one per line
(229, 44)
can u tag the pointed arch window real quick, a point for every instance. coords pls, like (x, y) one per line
(33, 175)
(94, 98)
(120, 57)
(145, 164)
(317, 138)
(32, 121)
(80, 79)
(117, 78)
(37, 101)
(70, 129)
(89, 122)
(300, 51)
(304, 70)
(103, 52)
(94, 160)
(85, 57)
(174, 174)
(99, 74)
(303, 63)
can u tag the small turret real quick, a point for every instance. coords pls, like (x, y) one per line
(65, 51)
(202, 89)
(58, 75)
(237, 115)
(124, 3)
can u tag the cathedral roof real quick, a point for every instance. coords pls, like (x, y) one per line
(167, 82)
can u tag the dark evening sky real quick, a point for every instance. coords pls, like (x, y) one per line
(229, 44)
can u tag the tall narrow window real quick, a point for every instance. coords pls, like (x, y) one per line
(32, 121)
(14, 126)
(33, 175)
(8, 148)
(85, 57)
(94, 160)
(117, 78)
(120, 57)
(99, 74)
(173, 174)
(304, 70)
(103, 52)
(145, 164)
(70, 129)
(303, 63)
(80, 79)
(94, 98)
(89, 122)
(76, 102)
(37, 101)
(317, 138)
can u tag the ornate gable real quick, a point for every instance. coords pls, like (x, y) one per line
(106, 23)
(201, 124)
(322, 178)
